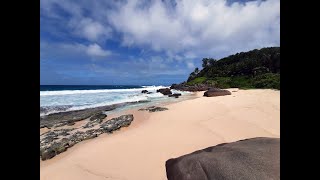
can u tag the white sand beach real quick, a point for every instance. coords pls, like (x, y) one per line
(139, 152)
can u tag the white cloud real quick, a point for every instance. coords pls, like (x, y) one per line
(189, 55)
(207, 28)
(72, 50)
(89, 29)
(190, 65)
(203, 27)
(96, 50)
(85, 19)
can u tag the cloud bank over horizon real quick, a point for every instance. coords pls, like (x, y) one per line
(147, 42)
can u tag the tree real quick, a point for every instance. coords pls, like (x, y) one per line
(196, 70)
(205, 62)
(212, 62)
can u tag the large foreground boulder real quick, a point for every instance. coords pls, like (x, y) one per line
(164, 91)
(216, 92)
(256, 158)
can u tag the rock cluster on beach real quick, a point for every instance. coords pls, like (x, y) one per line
(57, 141)
(216, 92)
(192, 88)
(116, 123)
(256, 158)
(153, 109)
(98, 116)
(176, 95)
(70, 117)
(164, 91)
(64, 118)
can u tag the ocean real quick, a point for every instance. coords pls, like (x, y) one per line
(59, 98)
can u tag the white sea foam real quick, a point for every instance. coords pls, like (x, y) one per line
(68, 92)
(131, 99)
(82, 99)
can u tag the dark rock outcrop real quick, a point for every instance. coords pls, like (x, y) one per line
(176, 95)
(93, 123)
(55, 142)
(53, 150)
(71, 123)
(216, 92)
(117, 123)
(99, 116)
(70, 117)
(192, 88)
(256, 158)
(144, 91)
(61, 124)
(153, 109)
(164, 91)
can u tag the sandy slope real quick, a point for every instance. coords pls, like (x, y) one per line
(139, 152)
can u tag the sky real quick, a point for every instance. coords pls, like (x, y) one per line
(140, 42)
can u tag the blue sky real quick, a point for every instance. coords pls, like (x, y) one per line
(147, 42)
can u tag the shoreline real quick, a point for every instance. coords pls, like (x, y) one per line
(140, 150)
(67, 118)
(70, 128)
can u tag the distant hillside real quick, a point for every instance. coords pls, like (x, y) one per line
(252, 69)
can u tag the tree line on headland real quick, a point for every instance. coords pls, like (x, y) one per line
(252, 69)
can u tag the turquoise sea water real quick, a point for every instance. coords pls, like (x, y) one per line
(65, 98)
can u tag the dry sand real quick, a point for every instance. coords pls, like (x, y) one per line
(139, 152)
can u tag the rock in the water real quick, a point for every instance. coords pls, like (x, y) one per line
(256, 158)
(149, 92)
(153, 109)
(216, 92)
(116, 123)
(176, 95)
(144, 91)
(164, 91)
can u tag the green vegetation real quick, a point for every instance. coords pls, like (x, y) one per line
(253, 69)
(197, 80)
(268, 80)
